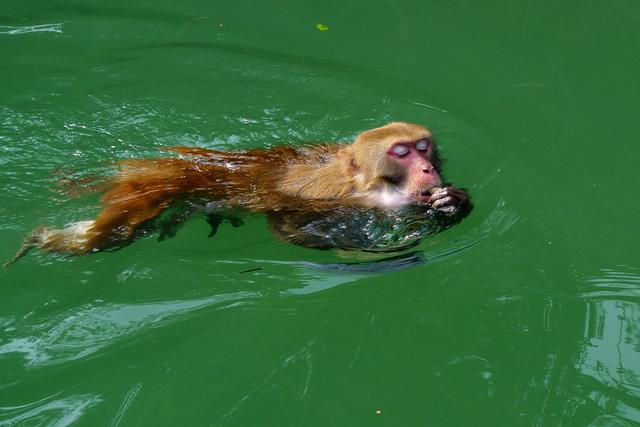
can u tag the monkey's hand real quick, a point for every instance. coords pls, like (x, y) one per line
(448, 200)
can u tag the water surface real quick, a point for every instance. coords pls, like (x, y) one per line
(526, 313)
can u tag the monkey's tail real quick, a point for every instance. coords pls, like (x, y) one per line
(72, 239)
(33, 239)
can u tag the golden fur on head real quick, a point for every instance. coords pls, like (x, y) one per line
(356, 168)
(366, 149)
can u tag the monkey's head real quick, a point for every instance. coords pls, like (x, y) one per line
(398, 161)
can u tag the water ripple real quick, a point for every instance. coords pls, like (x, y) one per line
(85, 330)
(44, 28)
(49, 411)
(614, 283)
(611, 354)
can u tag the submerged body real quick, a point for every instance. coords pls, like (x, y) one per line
(386, 168)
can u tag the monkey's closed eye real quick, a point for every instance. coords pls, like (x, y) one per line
(400, 150)
(422, 145)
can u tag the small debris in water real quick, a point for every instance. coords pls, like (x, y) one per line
(321, 27)
(250, 270)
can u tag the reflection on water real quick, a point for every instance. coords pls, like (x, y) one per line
(611, 354)
(383, 265)
(43, 28)
(316, 277)
(49, 411)
(589, 372)
(319, 277)
(89, 328)
(311, 277)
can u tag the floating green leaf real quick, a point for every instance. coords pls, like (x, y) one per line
(321, 27)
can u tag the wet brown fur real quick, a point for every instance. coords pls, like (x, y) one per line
(264, 180)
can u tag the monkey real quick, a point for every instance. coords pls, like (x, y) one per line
(386, 168)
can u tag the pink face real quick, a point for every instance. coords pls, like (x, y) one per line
(416, 158)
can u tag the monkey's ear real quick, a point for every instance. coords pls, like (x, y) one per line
(353, 166)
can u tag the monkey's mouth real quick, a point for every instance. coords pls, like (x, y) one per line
(425, 194)
(429, 191)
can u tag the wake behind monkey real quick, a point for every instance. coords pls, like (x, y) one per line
(385, 169)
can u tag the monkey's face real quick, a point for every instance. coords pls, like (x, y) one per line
(397, 164)
(413, 168)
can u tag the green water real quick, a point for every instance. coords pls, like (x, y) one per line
(526, 313)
